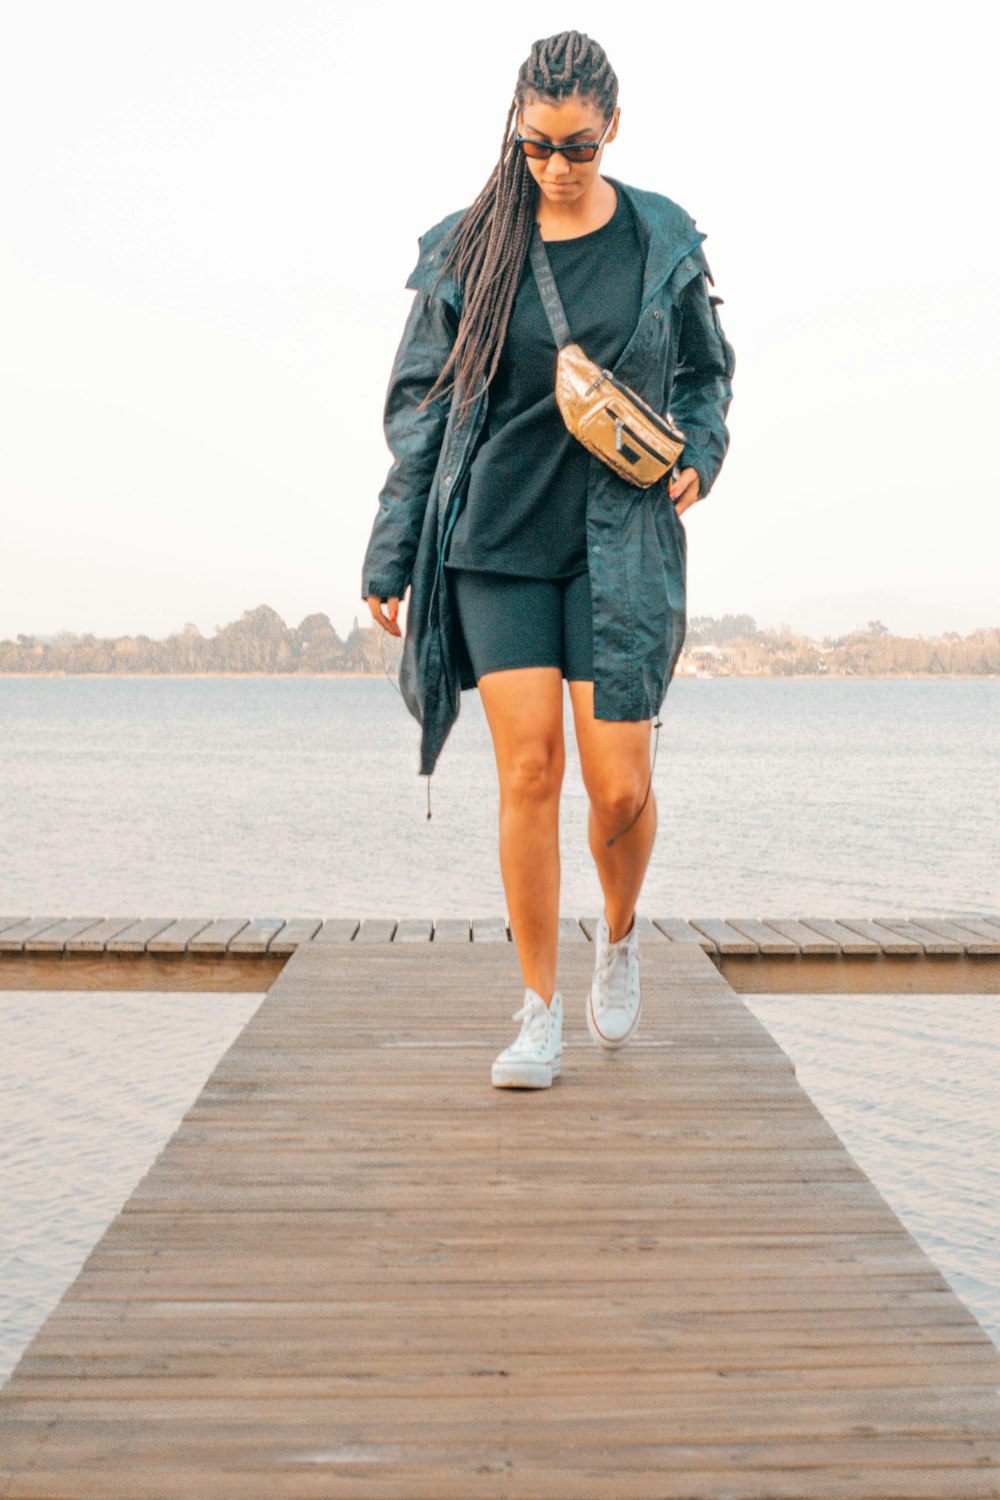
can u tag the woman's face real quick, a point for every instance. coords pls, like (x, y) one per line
(573, 120)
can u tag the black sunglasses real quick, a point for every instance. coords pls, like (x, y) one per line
(580, 151)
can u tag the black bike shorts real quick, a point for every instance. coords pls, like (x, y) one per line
(508, 621)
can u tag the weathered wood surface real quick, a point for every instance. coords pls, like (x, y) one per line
(359, 1269)
(748, 936)
(763, 955)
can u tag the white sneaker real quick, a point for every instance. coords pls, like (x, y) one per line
(614, 1003)
(532, 1060)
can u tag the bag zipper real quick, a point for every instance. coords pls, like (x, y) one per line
(620, 426)
(654, 417)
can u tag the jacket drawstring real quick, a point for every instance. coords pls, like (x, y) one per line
(656, 744)
(608, 842)
(390, 678)
(617, 836)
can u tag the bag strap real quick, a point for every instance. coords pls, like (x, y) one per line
(547, 289)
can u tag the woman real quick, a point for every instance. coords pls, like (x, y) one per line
(528, 558)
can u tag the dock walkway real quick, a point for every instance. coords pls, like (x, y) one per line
(763, 955)
(358, 1269)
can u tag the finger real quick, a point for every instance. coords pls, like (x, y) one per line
(686, 485)
(390, 624)
(375, 605)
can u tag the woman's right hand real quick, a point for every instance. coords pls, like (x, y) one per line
(391, 624)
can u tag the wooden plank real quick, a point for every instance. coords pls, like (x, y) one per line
(216, 937)
(928, 941)
(490, 930)
(453, 930)
(742, 1295)
(881, 974)
(54, 939)
(95, 939)
(135, 937)
(887, 940)
(336, 931)
(298, 930)
(982, 932)
(424, 1469)
(178, 936)
(648, 933)
(257, 936)
(356, 1266)
(768, 939)
(726, 939)
(14, 939)
(134, 973)
(738, 936)
(414, 930)
(680, 931)
(375, 930)
(851, 943)
(808, 940)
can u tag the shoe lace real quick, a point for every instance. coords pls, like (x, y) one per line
(611, 955)
(534, 1024)
(606, 961)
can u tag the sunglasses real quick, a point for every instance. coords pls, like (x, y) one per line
(580, 151)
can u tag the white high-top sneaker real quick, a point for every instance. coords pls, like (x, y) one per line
(533, 1059)
(614, 1004)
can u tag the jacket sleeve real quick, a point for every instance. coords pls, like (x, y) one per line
(702, 389)
(414, 440)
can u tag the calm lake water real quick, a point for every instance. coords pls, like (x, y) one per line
(263, 797)
(280, 797)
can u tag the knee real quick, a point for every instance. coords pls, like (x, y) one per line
(534, 772)
(618, 797)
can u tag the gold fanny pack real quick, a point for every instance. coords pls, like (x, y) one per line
(602, 411)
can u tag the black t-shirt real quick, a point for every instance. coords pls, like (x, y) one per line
(526, 498)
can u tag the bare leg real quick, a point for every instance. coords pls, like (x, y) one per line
(524, 709)
(614, 760)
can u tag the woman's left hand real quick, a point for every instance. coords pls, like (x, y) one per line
(684, 490)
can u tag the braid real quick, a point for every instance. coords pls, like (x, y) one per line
(488, 246)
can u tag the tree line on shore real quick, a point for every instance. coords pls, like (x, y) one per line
(732, 645)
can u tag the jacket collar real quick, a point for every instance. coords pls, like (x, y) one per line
(668, 233)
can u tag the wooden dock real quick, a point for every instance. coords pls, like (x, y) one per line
(762, 955)
(357, 1269)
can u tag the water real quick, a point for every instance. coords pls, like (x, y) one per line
(287, 797)
(93, 1085)
(909, 1083)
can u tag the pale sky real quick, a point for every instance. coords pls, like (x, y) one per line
(208, 212)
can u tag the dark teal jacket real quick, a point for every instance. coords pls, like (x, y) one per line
(678, 359)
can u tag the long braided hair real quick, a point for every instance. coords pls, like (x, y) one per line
(488, 245)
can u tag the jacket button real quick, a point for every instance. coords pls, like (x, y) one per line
(656, 314)
(447, 479)
(597, 549)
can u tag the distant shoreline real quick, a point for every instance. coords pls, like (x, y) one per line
(678, 677)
